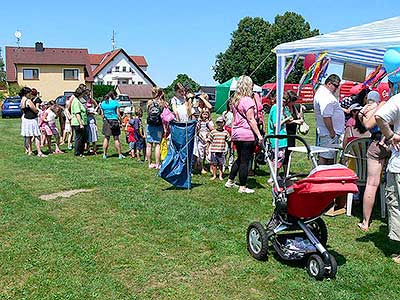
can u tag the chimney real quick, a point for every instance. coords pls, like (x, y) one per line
(39, 47)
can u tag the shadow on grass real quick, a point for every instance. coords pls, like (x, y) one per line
(174, 188)
(381, 241)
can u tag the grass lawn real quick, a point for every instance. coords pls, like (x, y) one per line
(136, 237)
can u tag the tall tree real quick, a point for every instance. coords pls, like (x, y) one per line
(183, 79)
(252, 42)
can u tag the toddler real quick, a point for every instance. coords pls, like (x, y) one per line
(203, 128)
(138, 135)
(216, 145)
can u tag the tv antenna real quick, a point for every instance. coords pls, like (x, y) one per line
(18, 35)
(113, 40)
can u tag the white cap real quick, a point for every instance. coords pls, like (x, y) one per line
(374, 96)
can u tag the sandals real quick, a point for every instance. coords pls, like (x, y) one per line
(362, 227)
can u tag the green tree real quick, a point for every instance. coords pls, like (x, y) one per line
(252, 42)
(100, 90)
(3, 79)
(184, 79)
(14, 89)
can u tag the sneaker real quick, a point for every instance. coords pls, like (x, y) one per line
(246, 191)
(230, 184)
(396, 258)
(69, 147)
(121, 156)
(104, 156)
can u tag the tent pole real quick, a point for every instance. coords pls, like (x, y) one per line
(280, 85)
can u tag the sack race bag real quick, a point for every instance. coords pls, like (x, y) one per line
(303, 128)
(166, 115)
(154, 114)
(164, 148)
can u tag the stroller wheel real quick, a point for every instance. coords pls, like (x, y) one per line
(257, 241)
(332, 270)
(316, 267)
(318, 228)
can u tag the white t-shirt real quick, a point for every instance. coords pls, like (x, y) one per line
(326, 105)
(181, 109)
(390, 112)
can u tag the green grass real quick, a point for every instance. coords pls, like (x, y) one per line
(135, 237)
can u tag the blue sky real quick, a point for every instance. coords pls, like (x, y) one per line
(174, 36)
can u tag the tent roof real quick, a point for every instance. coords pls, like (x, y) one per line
(363, 45)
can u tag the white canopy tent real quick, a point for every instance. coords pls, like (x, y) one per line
(363, 45)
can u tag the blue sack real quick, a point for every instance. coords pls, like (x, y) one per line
(177, 166)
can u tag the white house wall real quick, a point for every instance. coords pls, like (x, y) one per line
(121, 61)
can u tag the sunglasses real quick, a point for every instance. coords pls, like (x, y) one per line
(335, 85)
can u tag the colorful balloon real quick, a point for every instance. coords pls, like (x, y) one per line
(309, 60)
(391, 62)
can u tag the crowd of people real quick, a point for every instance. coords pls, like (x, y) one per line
(240, 130)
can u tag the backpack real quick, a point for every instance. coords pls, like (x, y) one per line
(154, 114)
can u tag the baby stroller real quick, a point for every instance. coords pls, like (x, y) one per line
(296, 229)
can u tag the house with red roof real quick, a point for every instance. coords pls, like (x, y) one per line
(52, 71)
(117, 67)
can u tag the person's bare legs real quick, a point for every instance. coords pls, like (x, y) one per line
(220, 172)
(149, 149)
(157, 154)
(213, 171)
(37, 144)
(373, 180)
(117, 145)
(105, 146)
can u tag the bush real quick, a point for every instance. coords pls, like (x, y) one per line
(14, 89)
(99, 90)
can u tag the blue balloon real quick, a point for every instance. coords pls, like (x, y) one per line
(391, 62)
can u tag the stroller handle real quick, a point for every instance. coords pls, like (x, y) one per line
(285, 136)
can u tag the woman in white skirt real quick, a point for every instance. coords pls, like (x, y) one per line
(29, 127)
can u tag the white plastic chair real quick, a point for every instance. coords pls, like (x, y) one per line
(356, 151)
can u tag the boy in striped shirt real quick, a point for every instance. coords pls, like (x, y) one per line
(216, 145)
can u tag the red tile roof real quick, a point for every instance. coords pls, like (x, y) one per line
(135, 91)
(139, 60)
(109, 56)
(96, 59)
(50, 56)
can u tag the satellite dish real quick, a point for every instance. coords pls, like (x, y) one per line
(18, 34)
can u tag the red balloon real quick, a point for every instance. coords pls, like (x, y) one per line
(309, 60)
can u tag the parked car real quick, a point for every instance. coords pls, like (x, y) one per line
(124, 101)
(11, 107)
(61, 100)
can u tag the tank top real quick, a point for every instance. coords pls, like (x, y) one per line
(28, 112)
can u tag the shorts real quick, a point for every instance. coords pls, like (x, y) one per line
(377, 152)
(217, 158)
(392, 200)
(327, 141)
(111, 128)
(154, 133)
(136, 145)
(50, 129)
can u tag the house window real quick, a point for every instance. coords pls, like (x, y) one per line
(109, 82)
(109, 71)
(117, 69)
(30, 74)
(71, 74)
(123, 69)
(140, 82)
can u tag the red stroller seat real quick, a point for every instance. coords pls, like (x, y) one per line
(313, 195)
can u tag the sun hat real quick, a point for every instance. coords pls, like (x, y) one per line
(374, 96)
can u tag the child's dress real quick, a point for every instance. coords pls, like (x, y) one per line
(203, 130)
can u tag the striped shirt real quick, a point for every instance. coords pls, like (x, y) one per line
(218, 140)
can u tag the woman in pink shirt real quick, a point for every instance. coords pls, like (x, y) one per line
(244, 132)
